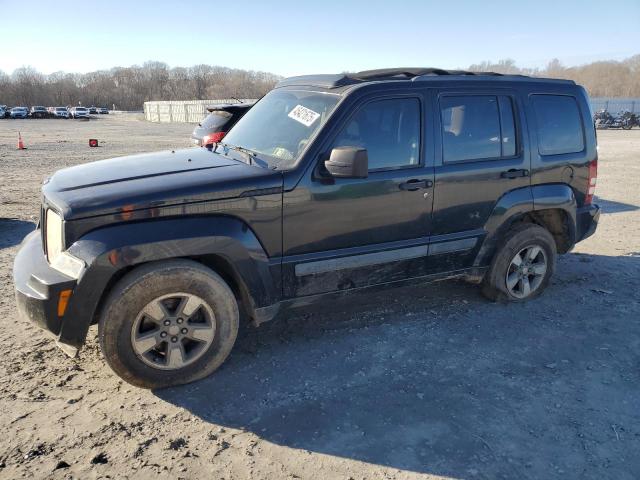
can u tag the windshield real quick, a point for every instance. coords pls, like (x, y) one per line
(280, 125)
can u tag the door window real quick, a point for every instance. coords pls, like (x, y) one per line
(477, 127)
(390, 131)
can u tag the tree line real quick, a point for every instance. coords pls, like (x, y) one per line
(129, 87)
(601, 79)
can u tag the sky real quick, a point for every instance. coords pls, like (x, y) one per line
(302, 37)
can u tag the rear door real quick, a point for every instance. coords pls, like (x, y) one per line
(481, 157)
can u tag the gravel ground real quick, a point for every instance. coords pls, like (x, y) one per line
(420, 382)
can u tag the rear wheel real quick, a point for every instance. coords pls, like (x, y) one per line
(522, 266)
(168, 324)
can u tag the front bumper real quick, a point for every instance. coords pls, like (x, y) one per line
(586, 221)
(38, 288)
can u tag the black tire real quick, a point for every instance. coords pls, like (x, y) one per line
(146, 284)
(517, 239)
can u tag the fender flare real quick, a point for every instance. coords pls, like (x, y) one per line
(110, 250)
(512, 206)
(557, 196)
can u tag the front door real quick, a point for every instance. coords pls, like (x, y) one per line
(340, 234)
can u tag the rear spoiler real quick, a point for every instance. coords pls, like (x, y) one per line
(229, 107)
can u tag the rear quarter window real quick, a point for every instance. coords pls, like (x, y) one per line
(559, 124)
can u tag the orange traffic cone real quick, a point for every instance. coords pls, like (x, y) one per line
(20, 142)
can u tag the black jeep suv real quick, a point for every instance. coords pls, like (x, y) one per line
(329, 184)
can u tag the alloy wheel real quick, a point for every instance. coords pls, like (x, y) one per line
(173, 331)
(526, 271)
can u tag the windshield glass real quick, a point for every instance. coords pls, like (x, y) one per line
(280, 125)
(61, 109)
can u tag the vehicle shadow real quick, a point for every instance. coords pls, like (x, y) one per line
(12, 231)
(609, 206)
(434, 379)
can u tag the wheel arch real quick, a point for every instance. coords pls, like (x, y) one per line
(224, 244)
(552, 206)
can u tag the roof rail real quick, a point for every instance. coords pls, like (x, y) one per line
(410, 73)
(406, 74)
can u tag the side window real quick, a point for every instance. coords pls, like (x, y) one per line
(559, 124)
(477, 127)
(388, 129)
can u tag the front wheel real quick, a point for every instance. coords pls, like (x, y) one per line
(522, 266)
(168, 324)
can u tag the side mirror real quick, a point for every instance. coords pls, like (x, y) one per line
(348, 162)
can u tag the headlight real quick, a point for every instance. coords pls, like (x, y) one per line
(53, 229)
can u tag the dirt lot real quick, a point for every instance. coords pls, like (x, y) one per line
(428, 381)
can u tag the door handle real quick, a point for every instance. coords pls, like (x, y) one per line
(513, 173)
(415, 184)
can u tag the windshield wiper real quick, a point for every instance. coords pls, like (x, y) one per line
(248, 154)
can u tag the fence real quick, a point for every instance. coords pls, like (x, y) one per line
(615, 105)
(191, 111)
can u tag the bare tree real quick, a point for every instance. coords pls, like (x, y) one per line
(129, 87)
(601, 79)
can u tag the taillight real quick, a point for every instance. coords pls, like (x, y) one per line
(212, 138)
(591, 186)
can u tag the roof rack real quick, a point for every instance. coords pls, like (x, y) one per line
(410, 73)
(406, 74)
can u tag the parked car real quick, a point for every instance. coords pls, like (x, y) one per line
(2, 111)
(19, 112)
(103, 110)
(218, 122)
(60, 112)
(38, 112)
(93, 110)
(330, 184)
(6, 111)
(79, 112)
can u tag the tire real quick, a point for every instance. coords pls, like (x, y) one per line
(127, 326)
(523, 240)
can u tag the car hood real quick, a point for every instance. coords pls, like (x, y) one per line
(152, 180)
